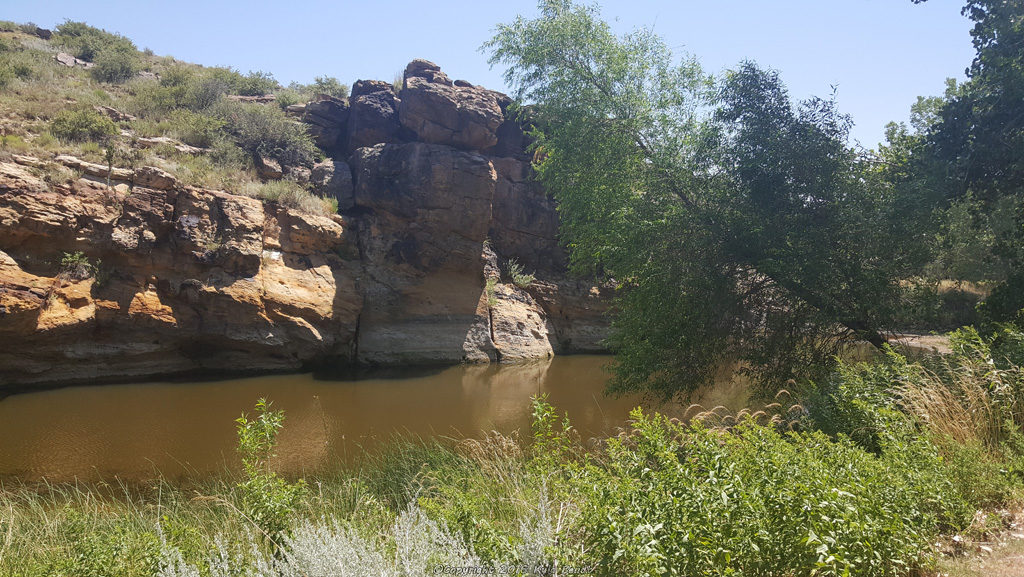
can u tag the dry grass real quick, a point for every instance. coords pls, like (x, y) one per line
(783, 414)
(1003, 556)
(969, 401)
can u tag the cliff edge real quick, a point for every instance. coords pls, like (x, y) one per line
(151, 277)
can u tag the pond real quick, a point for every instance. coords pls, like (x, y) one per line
(174, 429)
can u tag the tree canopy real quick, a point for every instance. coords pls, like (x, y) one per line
(968, 148)
(738, 224)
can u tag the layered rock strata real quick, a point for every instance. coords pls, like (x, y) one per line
(153, 278)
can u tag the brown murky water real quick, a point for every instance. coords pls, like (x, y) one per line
(137, 431)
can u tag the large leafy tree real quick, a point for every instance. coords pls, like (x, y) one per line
(972, 149)
(738, 224)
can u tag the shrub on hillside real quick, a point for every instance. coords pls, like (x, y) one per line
(234, 82)
(86, 42)
(115, 63)
(180, 86)
(196, 129)
(82, 125)
(266, 131)
(255, 84)
(330, 86)
(286, 98)
(17, 63)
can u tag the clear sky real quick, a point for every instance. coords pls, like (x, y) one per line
(881, 54)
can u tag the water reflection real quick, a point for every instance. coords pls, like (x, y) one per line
(135, 431)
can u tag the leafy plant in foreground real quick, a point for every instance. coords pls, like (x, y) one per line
(266, 499)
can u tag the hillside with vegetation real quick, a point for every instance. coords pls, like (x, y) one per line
(92, 94)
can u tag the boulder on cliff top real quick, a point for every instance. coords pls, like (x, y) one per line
(438, 112)
(420, 68)
(373, 118)
(327, 119)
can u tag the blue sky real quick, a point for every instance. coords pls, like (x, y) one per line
(881, 54)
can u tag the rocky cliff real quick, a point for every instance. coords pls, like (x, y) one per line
(435, 196)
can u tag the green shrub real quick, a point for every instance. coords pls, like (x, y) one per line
(180, 87)
(856, 401)
(17, 63)
(76, 266)
(255, 84)
(17, 68)
(681, 500)
(265, 498)
(968, 404)
(84, 124)
(266, 131)
(29, 28)
(86, 42)
(518, 276)
(115, 63)
(286, 98)
(13, 143)
(927, 305)
(196, 129)
(330, 86)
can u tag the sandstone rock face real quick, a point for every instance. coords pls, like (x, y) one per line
(525, 222)
(187, 280)
(333, 179)
(439, 112)
(437, 194)
(577, 312)
(519, 326)
(421, 245)
(374, 115)
(327, 120)
(153, 177)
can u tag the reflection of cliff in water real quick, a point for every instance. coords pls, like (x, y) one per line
(135, 431)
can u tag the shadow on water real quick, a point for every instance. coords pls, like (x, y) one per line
(181, 429)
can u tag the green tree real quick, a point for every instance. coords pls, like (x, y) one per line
(750, 233)
(972, 149)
